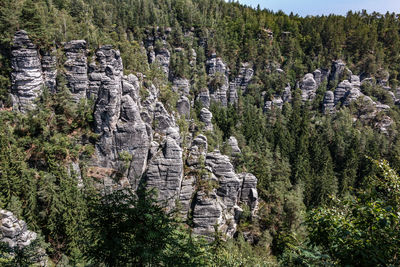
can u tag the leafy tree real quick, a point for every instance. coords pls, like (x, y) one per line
(363, 230)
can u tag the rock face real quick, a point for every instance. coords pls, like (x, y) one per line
(138, 141)
(26, 77)
(249, 194)
(165, 172)
(233, 143)
(204, 97)
(219, 85)
(183, 106)
(76, 68)
(308, 87)
(206, 118)
(329, 102)
(49, 68)
(182, 86)
(241, 82)
(16, 235)
(337, 70)
(219, 205)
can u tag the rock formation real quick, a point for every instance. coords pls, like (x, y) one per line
(16, 235)
(138, 141)
(26, 77)
(76, 71)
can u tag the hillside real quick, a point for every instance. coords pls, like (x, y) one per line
(197, 133)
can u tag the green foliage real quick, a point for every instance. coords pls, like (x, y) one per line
(364, 230)
(130, 229)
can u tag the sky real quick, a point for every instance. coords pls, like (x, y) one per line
(326, 7)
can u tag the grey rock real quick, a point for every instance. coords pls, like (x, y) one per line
(16, 235)
(204, 98)
(76, 68)
(206, 118)
(162, 119)
(165, 172)
(131, 136)
(337, 70)
(207, 213)
(248, 193)
(219, 84)
(352, 96)
(233, 94)
(197, 151)
(308, 87)
(341, 91)
(181, 86)
(183, 106)
(287, 94)
(49, 68)
(26, 76)
(229, 183)
(233, 143)
(163, 58)
(186, 194)
(320, 76)
(329, 102)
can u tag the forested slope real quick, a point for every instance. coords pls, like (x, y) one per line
(267, 138)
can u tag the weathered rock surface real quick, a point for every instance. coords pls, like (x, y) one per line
(233, 143)
(26, 77)
(228, 181)
(337, 69)
(49, 68)
(249, 194)
(165, 172)
(204, 97)
(183, 106)
(219, 85)
(107, 109)
(16, 235)
(241, 82)
(206, 118)
(329, 102)
(181, 86)
(76, 71)
(138, 139)
(308, 87)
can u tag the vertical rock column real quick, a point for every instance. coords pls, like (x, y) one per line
(76, 68)
(107, 110)
(26, 77)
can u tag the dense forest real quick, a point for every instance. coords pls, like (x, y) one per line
(328, 182)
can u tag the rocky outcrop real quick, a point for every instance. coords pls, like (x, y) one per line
(337, 70)
(26, 77)
(219, 84)
(308, 87)
(16, 235)
(138, 141)
(204, 98)
(248, 193)
(321, 75)
(49, 68)
(165, 172)
(76, 71)
(241, 82)
(183, 106)
(206, 118)
(181, 86)
(329, 102)
(219, 203)
(233, 144)
(107, 109)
